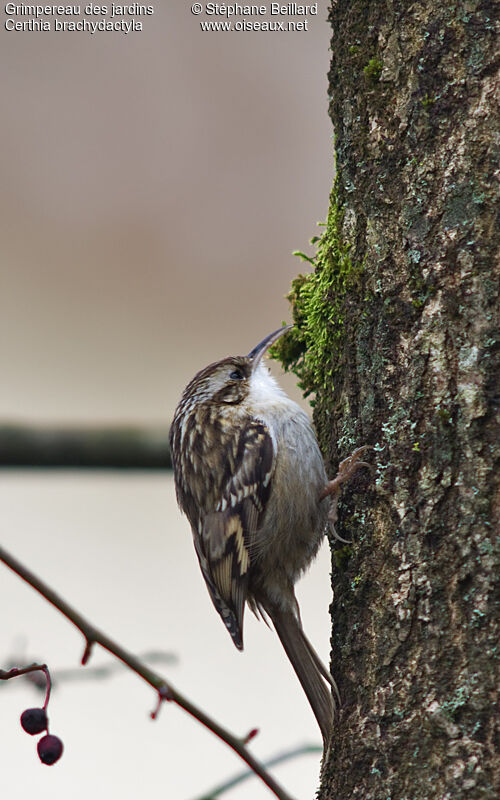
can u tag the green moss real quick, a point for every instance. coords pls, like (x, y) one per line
(342, 555)
(313, 346)
(428, 101)
(373, 70)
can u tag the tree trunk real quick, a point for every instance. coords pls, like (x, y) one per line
(397, 338)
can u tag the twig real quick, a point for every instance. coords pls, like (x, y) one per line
(164, 689)
(243, 776)
(93, 673)
(15, 672)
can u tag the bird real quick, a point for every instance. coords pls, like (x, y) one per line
(250, 477)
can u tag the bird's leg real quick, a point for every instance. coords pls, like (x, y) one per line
(347, 468)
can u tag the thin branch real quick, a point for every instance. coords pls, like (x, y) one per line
(101, 672)
(301, 750)
(15, 672)
(164, 689)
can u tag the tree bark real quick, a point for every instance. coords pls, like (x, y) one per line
(414, 106)
(410, 268)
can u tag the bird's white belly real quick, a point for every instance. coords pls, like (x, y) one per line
(295, 520)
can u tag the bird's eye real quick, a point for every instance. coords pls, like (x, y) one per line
(236, 375)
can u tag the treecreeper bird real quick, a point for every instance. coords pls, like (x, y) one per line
(251, 480)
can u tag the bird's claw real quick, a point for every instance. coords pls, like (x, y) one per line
(346, 470)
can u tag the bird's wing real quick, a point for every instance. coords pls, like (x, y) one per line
(224, 537)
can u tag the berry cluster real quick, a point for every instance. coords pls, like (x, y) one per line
(34, 721)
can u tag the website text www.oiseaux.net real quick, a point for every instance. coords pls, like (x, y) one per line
(242, 12)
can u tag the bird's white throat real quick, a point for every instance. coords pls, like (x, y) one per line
(265, 390)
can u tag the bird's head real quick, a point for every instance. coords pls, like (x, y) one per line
(228, 381)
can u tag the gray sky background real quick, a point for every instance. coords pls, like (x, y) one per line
(152, 189)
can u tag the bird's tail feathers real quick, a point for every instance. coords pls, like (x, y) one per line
(324, 671)
(311, 672)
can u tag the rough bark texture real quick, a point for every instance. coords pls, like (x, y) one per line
(415, 101)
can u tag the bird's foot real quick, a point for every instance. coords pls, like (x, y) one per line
(346, 470)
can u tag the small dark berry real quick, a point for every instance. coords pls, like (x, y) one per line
(49, 749)
(34, 720)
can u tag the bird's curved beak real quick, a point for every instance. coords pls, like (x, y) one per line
(256, 354)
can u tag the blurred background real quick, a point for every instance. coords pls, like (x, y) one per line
(152, 189)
